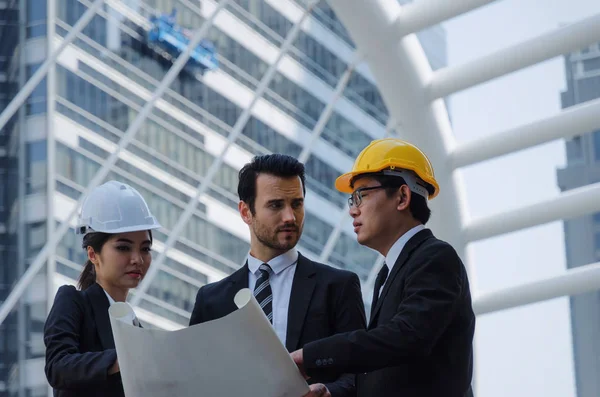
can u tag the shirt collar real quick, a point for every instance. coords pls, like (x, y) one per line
(398, 246)
(278, 264)
(111, 301)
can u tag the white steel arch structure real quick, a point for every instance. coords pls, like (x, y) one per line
(384, 34)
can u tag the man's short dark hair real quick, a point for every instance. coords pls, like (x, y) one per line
(418, 205)
(276, 164)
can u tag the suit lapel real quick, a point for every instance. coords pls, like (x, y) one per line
(410, 246)
(301, 294)
(100, 305)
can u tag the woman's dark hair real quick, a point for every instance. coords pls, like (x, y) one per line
(96, 240)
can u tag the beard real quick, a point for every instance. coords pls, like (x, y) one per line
(270, 238)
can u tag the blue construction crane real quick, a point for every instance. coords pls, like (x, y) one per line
(166, 35)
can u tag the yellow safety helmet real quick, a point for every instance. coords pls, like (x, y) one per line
(390, 154)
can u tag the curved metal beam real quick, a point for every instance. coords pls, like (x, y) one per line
(570, 204)
(574, 281)
(558, 42)
(569, 123)
(422, 14)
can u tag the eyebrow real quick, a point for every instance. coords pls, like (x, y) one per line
(126, 240)
(282, 200)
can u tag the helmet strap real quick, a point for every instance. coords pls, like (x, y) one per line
(414, 183)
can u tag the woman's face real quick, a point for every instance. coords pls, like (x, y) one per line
(123, 260)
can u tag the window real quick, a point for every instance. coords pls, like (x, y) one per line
(36, 18)
(591, 65)
(36, 237)
(36, 167)
(36, 103)
(597, 145)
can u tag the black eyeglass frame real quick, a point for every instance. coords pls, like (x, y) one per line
(356, 196)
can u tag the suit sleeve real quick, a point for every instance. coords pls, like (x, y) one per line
(350, 316)
(66, 367)
(432, 291)
(196, 317)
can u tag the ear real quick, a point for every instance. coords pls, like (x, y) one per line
(92, 255)
(245, 212)
(404, 197)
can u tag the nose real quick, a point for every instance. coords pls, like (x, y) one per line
(289, 215)
(354, 211)
(136, 258)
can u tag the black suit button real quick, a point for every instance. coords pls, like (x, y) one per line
(330, 361)
(318, 362)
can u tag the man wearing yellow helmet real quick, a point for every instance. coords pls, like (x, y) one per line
(420, 336)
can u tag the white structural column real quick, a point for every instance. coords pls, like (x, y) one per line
(326, 113)
(570, 204)
(425, 124)
(561, 41)
(39, 74)
(574, 281)
(569, 123)
(217, 163)
(129, 135)
(422, 14)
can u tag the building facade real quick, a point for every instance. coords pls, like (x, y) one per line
(582, 235)
(53, 146)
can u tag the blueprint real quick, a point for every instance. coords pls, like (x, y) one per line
(237, 355)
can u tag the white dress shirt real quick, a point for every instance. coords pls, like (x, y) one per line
(394, 252)
(129, 318)
(280, 279)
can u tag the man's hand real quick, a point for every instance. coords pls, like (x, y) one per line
(318, 390)
(114, 368)
(298, 358)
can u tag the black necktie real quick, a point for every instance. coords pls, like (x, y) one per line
(381, 276)
(262, 291)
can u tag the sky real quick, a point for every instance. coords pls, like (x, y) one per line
(524, 351)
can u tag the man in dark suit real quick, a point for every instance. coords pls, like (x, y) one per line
(304, 300)
(419, 339)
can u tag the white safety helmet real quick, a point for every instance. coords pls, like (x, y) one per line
(115, 207)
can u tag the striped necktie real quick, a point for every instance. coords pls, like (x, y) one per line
(263, 292)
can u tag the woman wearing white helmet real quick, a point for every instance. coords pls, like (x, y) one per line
(81, 359)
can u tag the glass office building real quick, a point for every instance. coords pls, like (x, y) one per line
(582, 235)
(71, 123)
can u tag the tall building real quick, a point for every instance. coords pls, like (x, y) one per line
(582, 235)
(53, 146)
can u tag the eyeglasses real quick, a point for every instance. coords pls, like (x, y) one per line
(356, 198)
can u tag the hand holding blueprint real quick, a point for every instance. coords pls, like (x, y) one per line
(237, 355)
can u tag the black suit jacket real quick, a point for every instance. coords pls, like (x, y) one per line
(419, 339)
(80, 347)
(323, 301)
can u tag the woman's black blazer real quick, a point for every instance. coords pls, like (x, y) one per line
(80, 347)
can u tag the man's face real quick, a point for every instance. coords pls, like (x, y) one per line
(278, 216)
(375, 216)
